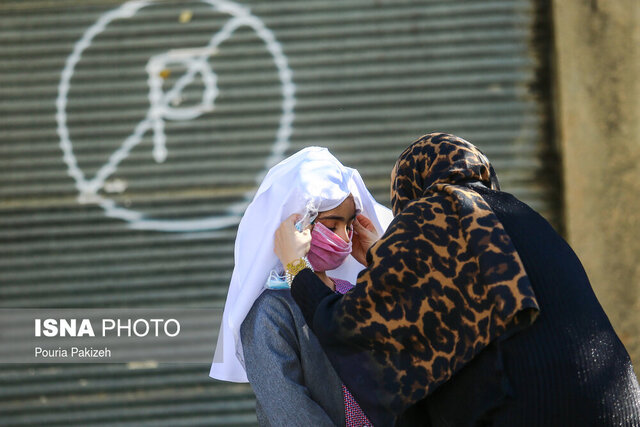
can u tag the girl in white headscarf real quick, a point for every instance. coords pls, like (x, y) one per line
(263, 337)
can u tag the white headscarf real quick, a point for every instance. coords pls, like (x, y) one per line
(314, 177)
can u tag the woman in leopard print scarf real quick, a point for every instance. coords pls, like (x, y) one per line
(471, 309)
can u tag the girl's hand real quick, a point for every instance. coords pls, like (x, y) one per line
(291, 244)
(364, 236)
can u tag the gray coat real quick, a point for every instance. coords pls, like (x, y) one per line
(294, 382)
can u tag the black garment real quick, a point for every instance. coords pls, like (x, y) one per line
(567, 369)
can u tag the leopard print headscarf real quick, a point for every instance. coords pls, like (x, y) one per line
(442, 283)
(434, 161)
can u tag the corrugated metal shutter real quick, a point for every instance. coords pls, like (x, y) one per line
(369, 76)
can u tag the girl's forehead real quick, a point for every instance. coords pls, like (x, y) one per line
(346, 209)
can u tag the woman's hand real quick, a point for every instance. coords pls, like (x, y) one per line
(364, 236)
(291, 244)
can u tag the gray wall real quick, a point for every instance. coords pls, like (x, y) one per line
(93, 212)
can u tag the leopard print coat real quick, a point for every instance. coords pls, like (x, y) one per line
(441, 284)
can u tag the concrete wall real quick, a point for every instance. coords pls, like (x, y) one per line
(597, 95)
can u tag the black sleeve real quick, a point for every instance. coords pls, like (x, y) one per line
(318, 304)
(308, 291)
(321, 309)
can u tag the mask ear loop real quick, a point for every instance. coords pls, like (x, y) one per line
(276, 281)
(277, 278)
(310, 214)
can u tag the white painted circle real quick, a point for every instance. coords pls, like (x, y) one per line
(88, 188)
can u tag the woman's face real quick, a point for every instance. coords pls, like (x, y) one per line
(340, 219)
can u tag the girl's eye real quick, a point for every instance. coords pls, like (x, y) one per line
(330, 226)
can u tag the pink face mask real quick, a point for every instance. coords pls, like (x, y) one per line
(328, 250)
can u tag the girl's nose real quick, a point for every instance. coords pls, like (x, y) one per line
(343, 232)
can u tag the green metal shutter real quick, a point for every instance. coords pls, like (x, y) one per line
(364, 78)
